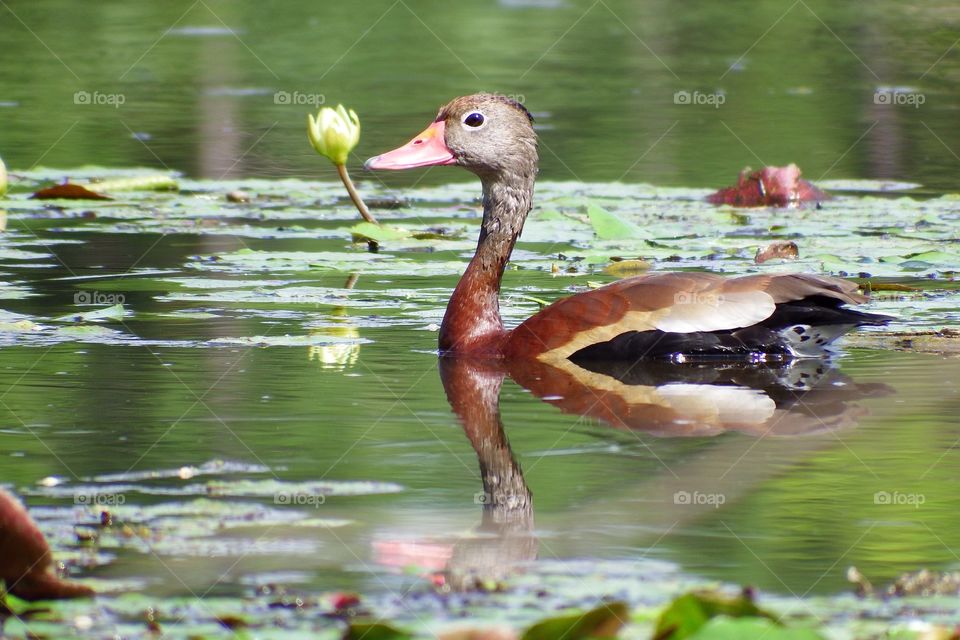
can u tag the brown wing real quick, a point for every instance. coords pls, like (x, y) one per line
(672, 302)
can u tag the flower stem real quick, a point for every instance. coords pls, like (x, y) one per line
(357, 200)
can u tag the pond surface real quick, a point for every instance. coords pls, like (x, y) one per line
(267, 406)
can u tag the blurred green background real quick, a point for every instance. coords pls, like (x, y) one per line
(199, 83)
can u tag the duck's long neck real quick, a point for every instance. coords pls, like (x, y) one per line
(472, 323)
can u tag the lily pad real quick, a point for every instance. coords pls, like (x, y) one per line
(608, 226)
(113, 312)
(604, 621)
(689, 613)
(378, 233)
(727, 628)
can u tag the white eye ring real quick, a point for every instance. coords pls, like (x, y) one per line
(473, 117)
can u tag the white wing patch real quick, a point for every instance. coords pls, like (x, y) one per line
(716, 311)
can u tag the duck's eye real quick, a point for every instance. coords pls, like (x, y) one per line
(474, 119)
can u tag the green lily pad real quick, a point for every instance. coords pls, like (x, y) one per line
(727, 628)
(379, 233)
(113, 312)
(608, 226)
(602, 622)
(686, 615)
(374, 631)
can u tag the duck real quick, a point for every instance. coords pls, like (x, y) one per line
(663, 315)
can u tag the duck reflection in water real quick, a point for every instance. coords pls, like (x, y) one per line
(793, 399)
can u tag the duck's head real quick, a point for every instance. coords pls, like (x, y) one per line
(489, 134)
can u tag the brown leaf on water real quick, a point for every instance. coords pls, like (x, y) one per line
(780, 250)
(68, 191)
(27, 569)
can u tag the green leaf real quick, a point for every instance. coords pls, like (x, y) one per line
(379, 233)
(727, 628)
(135, 183)
(686, 615)
(113, 312)
(935, 257)
(608, 226)
(603, 622)
(374, 631)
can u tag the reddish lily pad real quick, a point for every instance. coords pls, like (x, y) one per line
(68, 191)
(27, 568)
(769, 187)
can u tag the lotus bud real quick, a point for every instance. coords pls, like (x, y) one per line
(334, 133)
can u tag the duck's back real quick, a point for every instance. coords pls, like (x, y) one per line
(686, 315)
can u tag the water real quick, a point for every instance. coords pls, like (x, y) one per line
(798, 84)
(797, 510)
(861, 477)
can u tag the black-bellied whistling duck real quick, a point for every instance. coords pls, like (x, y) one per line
(674, 315)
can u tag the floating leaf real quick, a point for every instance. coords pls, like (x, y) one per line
(28, 568)
(379, 233)
(19, 326)
(608, 226)
(374, 631)
(68, 191)
(727, 628)
(439, 233)
(603, 622)
(782, 250)
(690, 612)
(480, 633)
(768, 187)
(113, 312)
(135, 183)
(626, 268)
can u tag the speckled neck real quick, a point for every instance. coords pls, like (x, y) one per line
(472, 321)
